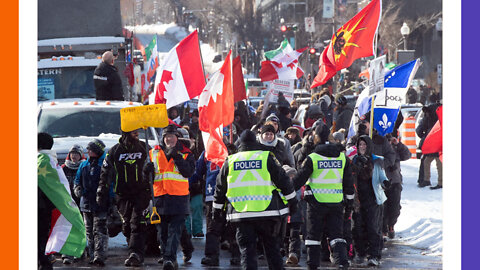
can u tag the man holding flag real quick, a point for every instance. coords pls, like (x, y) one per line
(68, 233)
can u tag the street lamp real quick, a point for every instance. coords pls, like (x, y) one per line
(405, 30)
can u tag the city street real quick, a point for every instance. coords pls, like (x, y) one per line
(395, 256)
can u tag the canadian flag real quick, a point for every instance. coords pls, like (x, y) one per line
(284, 67)
(216, 110)
(180, 76)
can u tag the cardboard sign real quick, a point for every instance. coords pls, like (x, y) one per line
(284, 86)
(377, 74)
(144, 116)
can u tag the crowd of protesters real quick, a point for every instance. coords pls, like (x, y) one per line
(346, 225)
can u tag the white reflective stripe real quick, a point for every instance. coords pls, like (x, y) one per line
(308, 192)
(350, 197)
(209, 198)
(291, 195)
(325, 181)
(312, 243)
(411, 146)
(325, 171)
(248, 184)
(217, 206)
(100, 78)
(409, 129)
(337, 240)
(269, 213)
(175, 176)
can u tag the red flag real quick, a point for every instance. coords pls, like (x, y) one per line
(352, 41)
(180, 75)
(434, 142)
(239, 91)
(216, 109)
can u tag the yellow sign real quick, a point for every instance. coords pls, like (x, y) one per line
(144, 116)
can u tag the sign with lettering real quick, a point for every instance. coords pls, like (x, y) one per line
(143, 116)
(247, 165)
(46, 89)
(329, 164)
(284, 86)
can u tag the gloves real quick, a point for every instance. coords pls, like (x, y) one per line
(172, 153)
(102, 197)
(362, 160)
(386, 184)
(78, 191)
(292, 206)
(148, 168)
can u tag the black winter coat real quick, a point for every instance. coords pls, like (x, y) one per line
(306, 169)
(123, 168)
(108, 85)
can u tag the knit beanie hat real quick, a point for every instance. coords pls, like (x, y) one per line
(96, 146)
(267, 128)
(76, 149)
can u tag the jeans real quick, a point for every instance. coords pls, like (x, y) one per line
(169, 233)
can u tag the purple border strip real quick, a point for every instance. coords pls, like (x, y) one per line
(469, 101)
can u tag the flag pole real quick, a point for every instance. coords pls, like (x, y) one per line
(373, 97)
(201, 57)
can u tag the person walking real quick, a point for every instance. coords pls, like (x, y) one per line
(94, 216)
(174, 164)
(394, 192)
(247, 188)
(125, 167)
(368, 216)
(70, 168)
(108, 85)
(328, 176)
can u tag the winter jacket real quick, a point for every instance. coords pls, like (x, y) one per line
(382, 147)
(341, 117)
(306, 170)
(70, 169)
(123, 168)
(210, 171)
(402, 153)
(177, 204)
(369, 176)
(302, 150)
(279, 148)
(277, 176)
(108, 85)
(88, 178)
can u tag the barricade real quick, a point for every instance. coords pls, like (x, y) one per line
(407, 133)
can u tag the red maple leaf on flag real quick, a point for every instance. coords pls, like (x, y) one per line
(166, 77)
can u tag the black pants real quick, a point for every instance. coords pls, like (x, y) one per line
(421, 170)
(44, 220)
(131, 212)
(268, 232)
(320, 219)
(392, 206)
(367, 231)
(97, 235)
(294, 244)
(215, 230)
(186, 242)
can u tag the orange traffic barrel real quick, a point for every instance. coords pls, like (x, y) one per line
(407, 133)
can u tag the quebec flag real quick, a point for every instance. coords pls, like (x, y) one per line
(388, 101)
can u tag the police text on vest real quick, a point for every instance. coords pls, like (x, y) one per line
(329, 164)
(247, 165)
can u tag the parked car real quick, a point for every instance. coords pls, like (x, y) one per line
(256, 88)
(78, 121)
(301, 93)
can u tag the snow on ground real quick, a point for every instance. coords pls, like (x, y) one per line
(420, 222)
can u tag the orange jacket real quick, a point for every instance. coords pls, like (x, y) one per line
(168, 179)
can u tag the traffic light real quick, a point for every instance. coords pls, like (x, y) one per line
(312, 52)
(289, 27)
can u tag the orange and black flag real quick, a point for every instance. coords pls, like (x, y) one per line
(355, 39)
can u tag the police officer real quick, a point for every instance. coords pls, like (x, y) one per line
(123, 168)
(247, 183)
(174, 164)
(327, 175)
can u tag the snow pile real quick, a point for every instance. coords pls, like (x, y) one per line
(160, 29)
(420, 223)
